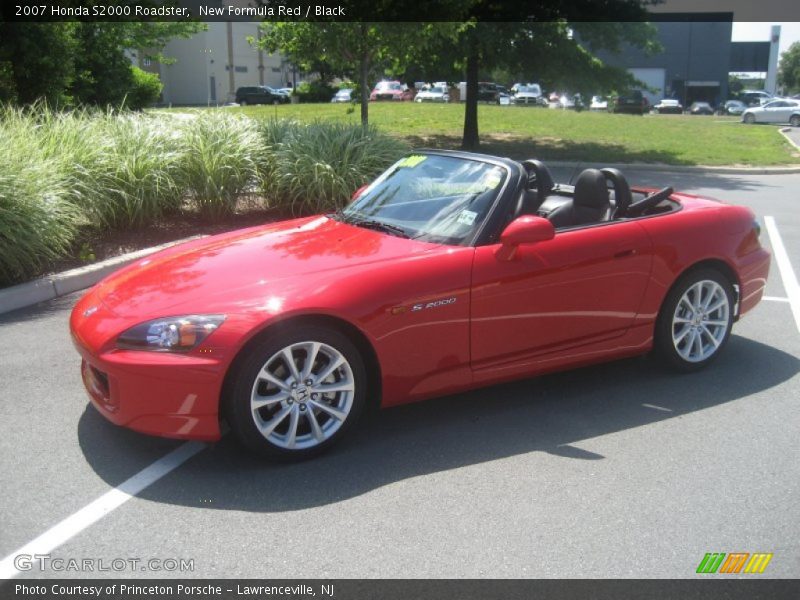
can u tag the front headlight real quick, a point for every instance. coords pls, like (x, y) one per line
(170, 334)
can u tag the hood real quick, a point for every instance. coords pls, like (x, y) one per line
(221, 272)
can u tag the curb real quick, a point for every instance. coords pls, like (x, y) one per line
(59, 284)
(700, 170)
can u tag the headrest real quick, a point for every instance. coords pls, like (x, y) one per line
(591, 190)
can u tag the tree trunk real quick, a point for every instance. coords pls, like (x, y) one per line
(363, 78)
(471, 140)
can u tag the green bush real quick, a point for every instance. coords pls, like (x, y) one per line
(220, 158)
(66, 174)
(38, 222)
(145, 91)
(314, 91)
(315, 167)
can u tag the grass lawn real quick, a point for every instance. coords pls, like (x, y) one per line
(527, 132)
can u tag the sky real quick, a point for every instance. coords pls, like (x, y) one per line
(759, 32)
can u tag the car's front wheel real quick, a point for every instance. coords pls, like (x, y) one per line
(296, 393)
(795, 121)
(695, 321)
(749, 119)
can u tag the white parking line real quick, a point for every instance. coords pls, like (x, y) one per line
(93, 512)
(785, 268)
(774, 299)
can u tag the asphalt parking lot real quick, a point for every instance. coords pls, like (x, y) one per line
(618, 470)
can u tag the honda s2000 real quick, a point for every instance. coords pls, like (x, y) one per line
(448, 272)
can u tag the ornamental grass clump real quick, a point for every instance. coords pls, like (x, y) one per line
(220, 157)
(316, 167)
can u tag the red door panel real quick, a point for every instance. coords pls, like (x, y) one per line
(577, 288)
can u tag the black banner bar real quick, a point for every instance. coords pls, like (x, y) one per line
(398, 10)
(716, 587)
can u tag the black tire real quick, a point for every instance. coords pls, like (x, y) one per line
(243, 102)
(665, 347)
(794, 121)
(236, 402)
(749, 119)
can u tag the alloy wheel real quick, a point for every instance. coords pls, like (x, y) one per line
(302, 395)
(701, 321)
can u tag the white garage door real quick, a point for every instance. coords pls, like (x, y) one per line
(654, 79)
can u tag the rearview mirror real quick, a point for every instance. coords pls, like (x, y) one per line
(526, 229)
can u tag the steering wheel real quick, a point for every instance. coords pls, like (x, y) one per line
(622, 192)
(638, 208)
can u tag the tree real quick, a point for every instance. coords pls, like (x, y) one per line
(78, 62)
(355, 49)
(37, 62)
(552, 46)
(789, 69)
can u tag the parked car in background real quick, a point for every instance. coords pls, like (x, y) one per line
(701, 108)
(343, 95)
(669, 106)
(433, 94)
(279, 91)
(777, 111)
(391, 90)
(734, 107)
(598, 103)
(563, 101)
(259, 94)
(634, 103)
(528, 94)
(754, 97)
(488, 92)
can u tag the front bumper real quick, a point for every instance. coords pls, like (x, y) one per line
(161, 394)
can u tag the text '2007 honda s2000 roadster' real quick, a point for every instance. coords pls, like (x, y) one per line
(448, 272)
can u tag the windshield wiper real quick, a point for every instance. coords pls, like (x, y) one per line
(379, 226)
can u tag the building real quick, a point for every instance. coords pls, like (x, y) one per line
(209, 66)
(697, 57)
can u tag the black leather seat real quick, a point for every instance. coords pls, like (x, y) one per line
(589, 203)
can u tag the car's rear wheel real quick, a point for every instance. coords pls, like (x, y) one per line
(297, 393)
(749, 119)
(795, 121)
(243, 102)
(695, 321)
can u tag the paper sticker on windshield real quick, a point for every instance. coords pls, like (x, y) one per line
(467, 217)
(411, 161)
(492, 179)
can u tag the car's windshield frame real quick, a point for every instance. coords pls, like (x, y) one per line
(488, 229)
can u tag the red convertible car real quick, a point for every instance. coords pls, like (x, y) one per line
(450, 271)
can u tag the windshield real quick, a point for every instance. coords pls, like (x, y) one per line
(436, 90)
(529, 89)
(438, 199)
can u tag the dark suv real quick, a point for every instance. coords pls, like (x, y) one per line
(259, 95)
(634, 103)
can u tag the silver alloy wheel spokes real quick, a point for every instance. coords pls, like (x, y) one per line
(302, 395)
(701, 321)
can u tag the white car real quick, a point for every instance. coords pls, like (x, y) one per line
(777, 111)
(343, 95)
(669, 106)
(598, 103)
(527, 94)
(433, 94)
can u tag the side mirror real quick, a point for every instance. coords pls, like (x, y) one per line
(526, 229)
(358, 192)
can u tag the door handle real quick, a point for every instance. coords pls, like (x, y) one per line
(624, 253)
